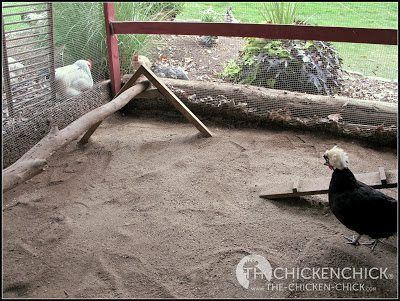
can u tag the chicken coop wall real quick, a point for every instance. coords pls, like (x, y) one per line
(47, 39)
(360, 74)
(206, 57)
(28, 65)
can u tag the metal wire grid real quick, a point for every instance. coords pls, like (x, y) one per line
(199, 61)
(28, 64)
(367, 77)
(207, 64)
(32, 92)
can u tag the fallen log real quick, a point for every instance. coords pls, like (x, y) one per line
(373, 121)
(34, 161)
(301, 105)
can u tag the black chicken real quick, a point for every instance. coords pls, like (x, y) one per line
(356, 205)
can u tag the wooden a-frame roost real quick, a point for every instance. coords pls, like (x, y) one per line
(164, 90)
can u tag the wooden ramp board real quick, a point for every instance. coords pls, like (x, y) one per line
(164, 90)
(300, 187)
(174, 100)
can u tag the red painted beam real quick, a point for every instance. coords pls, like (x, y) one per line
(267, 31)
(112, 47)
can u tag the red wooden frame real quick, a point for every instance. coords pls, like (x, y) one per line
(112, 49)
(267, 31)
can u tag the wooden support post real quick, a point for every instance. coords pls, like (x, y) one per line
(130, 83)
(166, 92)
(174, 100)
(112, 48)
(303, 187)
(295, 185)
(382, 175)
(86, 136)
(113, 62)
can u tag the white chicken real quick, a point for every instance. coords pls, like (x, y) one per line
(34, 19)
(73, 79)
(16, 70)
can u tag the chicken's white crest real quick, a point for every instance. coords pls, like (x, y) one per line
(337, 158)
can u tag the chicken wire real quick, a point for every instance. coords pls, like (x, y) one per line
(172, 56)
(79, 34)
(27, 58)
(365, 73)
(46, 40)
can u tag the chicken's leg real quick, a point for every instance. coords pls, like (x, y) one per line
(353, 240)
(371, 242)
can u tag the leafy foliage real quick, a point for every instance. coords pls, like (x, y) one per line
(304, 66)
(162, 10)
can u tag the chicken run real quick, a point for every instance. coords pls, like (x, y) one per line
(153, 190)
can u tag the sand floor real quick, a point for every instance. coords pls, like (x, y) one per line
(151, 209)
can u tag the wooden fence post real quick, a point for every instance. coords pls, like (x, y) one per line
(112, 48)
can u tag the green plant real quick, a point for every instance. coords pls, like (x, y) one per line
(280, 12)
(304, 66)
(209, 15)
(141, 11)
(80, 31)
(80, 34)
(231, 70)
(166, 10)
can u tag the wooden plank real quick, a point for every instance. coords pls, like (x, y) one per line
(89, 133)
(130, 82)
(382, 175)
(112, 47)
(295, 185)
(267, 31)
(174, 100)
(321, 185)
(165, 91)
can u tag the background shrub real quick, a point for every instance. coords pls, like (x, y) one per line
(304, 66)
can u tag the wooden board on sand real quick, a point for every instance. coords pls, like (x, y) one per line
(300, 187)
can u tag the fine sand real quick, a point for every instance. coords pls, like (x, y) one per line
(151, 209)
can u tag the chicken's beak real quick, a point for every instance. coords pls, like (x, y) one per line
(327, 162)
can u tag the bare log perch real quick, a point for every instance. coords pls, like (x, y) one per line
(33, 161)
(301, 104)
(374, 121)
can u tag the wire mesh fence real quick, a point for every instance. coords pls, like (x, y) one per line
(358, 82)
(51, 72)
(27, 58)
(320, 71)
